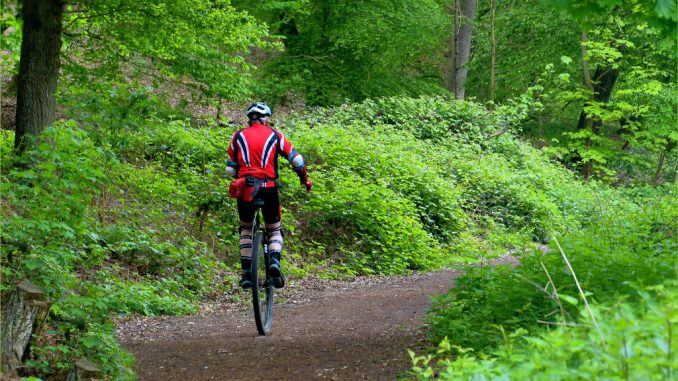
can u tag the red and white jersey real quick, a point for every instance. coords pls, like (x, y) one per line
(256, 149)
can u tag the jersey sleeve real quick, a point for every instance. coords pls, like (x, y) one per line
(232, 167)
(285, 148)
(232, 152)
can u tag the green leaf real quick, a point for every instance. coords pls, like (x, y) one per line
(569, 299)
(90, 341)
(33, 263)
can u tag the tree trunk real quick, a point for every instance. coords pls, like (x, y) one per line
(38, 68)
(660, 166)
(603, 82)
(449, 68)
(585, 63)
(459, 47)
(22, 315)
(600, 86)
(468, 12)
(493, 45)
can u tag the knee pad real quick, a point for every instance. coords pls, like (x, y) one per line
(274, 233)
(245, 239)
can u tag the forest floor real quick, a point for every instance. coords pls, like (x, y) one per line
(326, 330)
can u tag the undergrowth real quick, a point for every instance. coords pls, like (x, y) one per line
(629, 340)
(533, 321)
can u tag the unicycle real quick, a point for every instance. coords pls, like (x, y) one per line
(262, 286)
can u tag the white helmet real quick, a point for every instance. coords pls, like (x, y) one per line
(258, 110)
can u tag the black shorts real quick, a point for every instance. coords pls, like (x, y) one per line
(270, 210)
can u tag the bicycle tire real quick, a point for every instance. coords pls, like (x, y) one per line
(262, 287)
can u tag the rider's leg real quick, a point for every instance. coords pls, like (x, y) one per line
(246, 253)
(275, 242)
(272, 218)
(246, 245)
(275, 237)
(246, 214)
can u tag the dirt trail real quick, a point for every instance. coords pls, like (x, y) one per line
(348, 331)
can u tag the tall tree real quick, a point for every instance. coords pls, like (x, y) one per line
(493, 46)
(459, 47)
(38, 68)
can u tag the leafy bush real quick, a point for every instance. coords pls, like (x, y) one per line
(176, 144)
(616, 346)
(376, 155)
(440, 155)
(374, 229)
(72, 223)
(628, 244)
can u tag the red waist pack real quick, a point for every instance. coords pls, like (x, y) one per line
(237, 188)
(240, 189)
(247, 188)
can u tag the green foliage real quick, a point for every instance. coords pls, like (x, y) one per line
(199, 46)
(80, 224)
(394, 161)
(373, 229)
(521, 28)
(626, 136)
(616, 347)
(346, 50)
(434, 175)
(629, 118)
(628, 244)
(660, 14)
(432, 159)
(10, 43)
(48, 190)
(115, 108)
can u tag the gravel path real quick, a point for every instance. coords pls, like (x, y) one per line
(357, 330)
